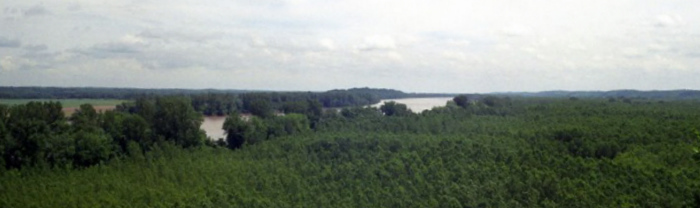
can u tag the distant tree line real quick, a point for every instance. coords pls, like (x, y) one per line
(264, 104)
(222, 102)
(619, 94)
(99, 93)
(133, 93)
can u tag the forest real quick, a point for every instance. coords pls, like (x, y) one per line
(476, 151)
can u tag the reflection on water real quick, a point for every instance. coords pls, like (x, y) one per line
(212, 125)
(417, 105)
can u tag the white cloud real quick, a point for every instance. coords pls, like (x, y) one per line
(377, 42)
(7, 63)
(327, 44)
(451, 45)
(516, 30)
(12, 63)
(669, 21)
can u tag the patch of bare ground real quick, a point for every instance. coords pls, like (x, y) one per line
(100, 108)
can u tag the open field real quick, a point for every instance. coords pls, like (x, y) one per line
(99, 108)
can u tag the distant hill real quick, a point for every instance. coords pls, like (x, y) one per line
(379, 93)
(391, 93)
(654, 94)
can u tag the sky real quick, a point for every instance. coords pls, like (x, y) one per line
(315, 45)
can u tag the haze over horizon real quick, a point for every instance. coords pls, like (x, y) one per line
(309, 45)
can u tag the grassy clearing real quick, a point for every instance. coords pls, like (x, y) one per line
(67, 103)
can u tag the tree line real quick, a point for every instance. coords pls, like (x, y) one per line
(39, 134)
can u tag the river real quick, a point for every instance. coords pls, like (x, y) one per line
(418, 105)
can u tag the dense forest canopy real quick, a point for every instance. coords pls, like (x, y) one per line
(476, 151)
(654, 94)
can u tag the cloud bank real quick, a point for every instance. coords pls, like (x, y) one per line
(424, 46)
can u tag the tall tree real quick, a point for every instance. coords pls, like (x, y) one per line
(258, 104)
(175, 120)
(255, 131)
(4, 136)
(395, 109)
(85, 118)
(91, 148)
(33, 130)
(260, 107)
(235, 129)
(289, 124)
(125, 128)
(461, 100)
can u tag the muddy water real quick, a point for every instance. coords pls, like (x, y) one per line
(212, 125)
(417, 105)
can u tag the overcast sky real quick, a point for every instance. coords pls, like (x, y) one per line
(410, 45)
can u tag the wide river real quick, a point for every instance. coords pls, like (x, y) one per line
(418, 105)
(212, 124)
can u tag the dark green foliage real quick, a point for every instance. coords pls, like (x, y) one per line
(32, 134)
(295, 107)
(351, 97)
(654, 94)
(521, 153)
(175, 120)
(92, 148)
(696, 149)
(256, 130)
(461, 101)
(493, 101)
(4, 114)
(171, 119)
(395, 109)
(145, 108)
(38, 135)
(236, 130)
(99, 93)
(288, 125)
(253, 130)
(260, 107)
(258, 104)
(215, 104)
(358, 112)
(85, 118)
(125, 128)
